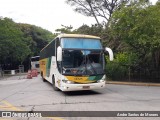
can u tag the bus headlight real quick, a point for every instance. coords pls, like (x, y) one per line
(67, 81)
(100, 81)
(70, 82)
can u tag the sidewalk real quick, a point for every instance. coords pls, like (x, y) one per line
(133, 83)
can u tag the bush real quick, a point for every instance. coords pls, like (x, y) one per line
(119, 68)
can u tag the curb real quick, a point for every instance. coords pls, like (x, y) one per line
(133, 83)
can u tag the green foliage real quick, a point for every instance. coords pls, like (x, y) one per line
(12, 45)
(93, 30)
(138, 25)
(84, 29)
(20, 41)
(35, 37)
(118, 69)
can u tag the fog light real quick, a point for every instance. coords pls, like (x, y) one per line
(65, 81)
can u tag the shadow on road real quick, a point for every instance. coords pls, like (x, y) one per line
(77, 93)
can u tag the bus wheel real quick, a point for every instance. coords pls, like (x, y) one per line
(43, 77)
(53, 84)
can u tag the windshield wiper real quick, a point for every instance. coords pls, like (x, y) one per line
(91, 65)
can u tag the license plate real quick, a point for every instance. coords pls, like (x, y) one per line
(86, 87)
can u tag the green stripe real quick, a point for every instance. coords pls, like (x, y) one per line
(92, 78)
(48, 66)
(98, 77)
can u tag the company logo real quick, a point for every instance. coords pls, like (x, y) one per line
(6, 114)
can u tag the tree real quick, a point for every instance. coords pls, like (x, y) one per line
(93, 30)
(35, 37)
(97, 8)
(65, 29)
(138, 25)
(12, 45)
(18, 42)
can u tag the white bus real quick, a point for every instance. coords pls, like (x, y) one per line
(73, 62)
(35, 63)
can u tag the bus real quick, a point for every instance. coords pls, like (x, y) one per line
(35, 63)
(74, 62)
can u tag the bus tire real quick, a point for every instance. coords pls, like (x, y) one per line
(43, 77)
(53, 84)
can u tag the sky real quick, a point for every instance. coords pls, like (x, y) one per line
(48, 14)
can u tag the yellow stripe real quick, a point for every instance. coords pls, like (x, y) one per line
(55, 118)
(79, 79)
(5, 119)
(8, 106)
(43, 63)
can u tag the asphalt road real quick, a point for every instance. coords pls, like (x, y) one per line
(20, 94)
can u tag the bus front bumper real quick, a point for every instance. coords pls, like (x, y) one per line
(76, 87)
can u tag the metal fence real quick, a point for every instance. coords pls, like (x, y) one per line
(117, 72)
(145, 76)
(11, 72)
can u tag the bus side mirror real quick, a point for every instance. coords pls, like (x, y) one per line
(110, 53)
(59, 54)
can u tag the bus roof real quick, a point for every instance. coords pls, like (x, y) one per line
(78, 36)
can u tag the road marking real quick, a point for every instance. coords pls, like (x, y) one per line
(9, 106)
(4, 105)
(5, 119)
(55, 118)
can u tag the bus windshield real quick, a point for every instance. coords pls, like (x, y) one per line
(82, 62)
(81, 43)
